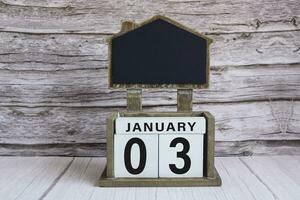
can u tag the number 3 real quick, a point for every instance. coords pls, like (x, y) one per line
(182, 154)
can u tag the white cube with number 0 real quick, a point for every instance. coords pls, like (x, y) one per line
(136, 155)
(181, 155)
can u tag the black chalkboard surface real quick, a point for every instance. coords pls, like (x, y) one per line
(159, 54)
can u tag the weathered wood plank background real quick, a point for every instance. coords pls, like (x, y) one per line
(53, 73)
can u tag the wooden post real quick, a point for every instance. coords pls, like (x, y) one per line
(134, 99)
(134, 96)
(184, 100)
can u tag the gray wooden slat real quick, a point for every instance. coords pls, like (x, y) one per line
(29, 177)
(238, 182)
(80, 181)
(258, 147)
(288, 165)
(234, 122)
(275, 175)
(223, 148)
(94, 16)
(58, 127)
(58, 149)
(59, 52)
(89, 87)
(51, 125)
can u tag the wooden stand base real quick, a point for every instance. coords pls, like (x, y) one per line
(159, 182)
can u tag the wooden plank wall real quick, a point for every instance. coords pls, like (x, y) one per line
(54, 96)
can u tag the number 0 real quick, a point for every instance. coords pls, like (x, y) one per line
(182, 154)
(127, 156)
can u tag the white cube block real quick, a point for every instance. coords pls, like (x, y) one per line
(181, 155)
(136, 156)
(160, 125)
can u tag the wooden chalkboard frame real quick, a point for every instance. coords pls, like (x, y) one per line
(172, 86)
(210, 178)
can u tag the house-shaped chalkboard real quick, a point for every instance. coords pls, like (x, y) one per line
(159, 53)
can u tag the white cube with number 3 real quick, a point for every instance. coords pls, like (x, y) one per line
(181, 155)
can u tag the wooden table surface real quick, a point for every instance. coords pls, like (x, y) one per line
(276, 177)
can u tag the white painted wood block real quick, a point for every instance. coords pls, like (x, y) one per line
(136, 156)
(158, 125)
(181, 155)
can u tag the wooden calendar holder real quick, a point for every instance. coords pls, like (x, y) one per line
(184, 107)
(121, 69)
